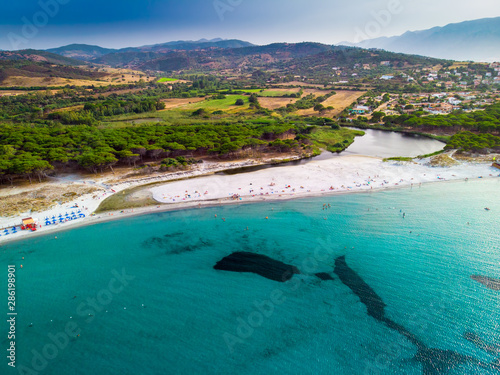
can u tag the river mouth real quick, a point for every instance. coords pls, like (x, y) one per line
(375, 143)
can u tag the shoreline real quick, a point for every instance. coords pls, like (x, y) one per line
(161, 208)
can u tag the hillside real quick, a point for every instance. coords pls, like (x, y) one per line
(477, 40)
(39, 56)
(233, 58)
(311, 60)
(21, 69)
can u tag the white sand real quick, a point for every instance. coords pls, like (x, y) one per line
(341, 174)
(337, 175)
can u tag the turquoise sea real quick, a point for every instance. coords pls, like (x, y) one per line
(157, 306)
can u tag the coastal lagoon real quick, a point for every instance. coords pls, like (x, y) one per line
(141, 295)
(386, 144)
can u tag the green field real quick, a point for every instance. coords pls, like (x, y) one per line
(220, 104)
(164, 79)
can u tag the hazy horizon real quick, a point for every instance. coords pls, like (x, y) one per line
(47, 24)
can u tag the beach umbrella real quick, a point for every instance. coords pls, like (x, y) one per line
(54, 221)
(53, 217)
(6, 231)
(66, 214)
(47, 222)
(72, 212)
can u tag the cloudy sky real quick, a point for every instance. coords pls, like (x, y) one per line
(122, 23)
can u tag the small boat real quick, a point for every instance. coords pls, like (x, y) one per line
(486, 208)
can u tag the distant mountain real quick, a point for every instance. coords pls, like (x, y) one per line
(200, 44)
(88, 52)
(81, 51)
(477, 40)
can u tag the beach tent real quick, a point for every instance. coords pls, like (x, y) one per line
(28, 221)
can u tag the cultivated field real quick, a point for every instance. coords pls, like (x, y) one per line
(179, 103)
(271, 101)
(164, 79)
(220, 104)
(274, 103)
(340, 101)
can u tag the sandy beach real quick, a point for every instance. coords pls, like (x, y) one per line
(201, 187)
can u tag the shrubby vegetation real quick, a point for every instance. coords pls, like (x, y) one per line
(170, 164)
(467, 141)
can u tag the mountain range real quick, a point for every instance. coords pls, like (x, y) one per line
(477, 40)
(88, 52)
(313, 60)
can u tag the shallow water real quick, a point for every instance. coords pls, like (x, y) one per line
(175, 314)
